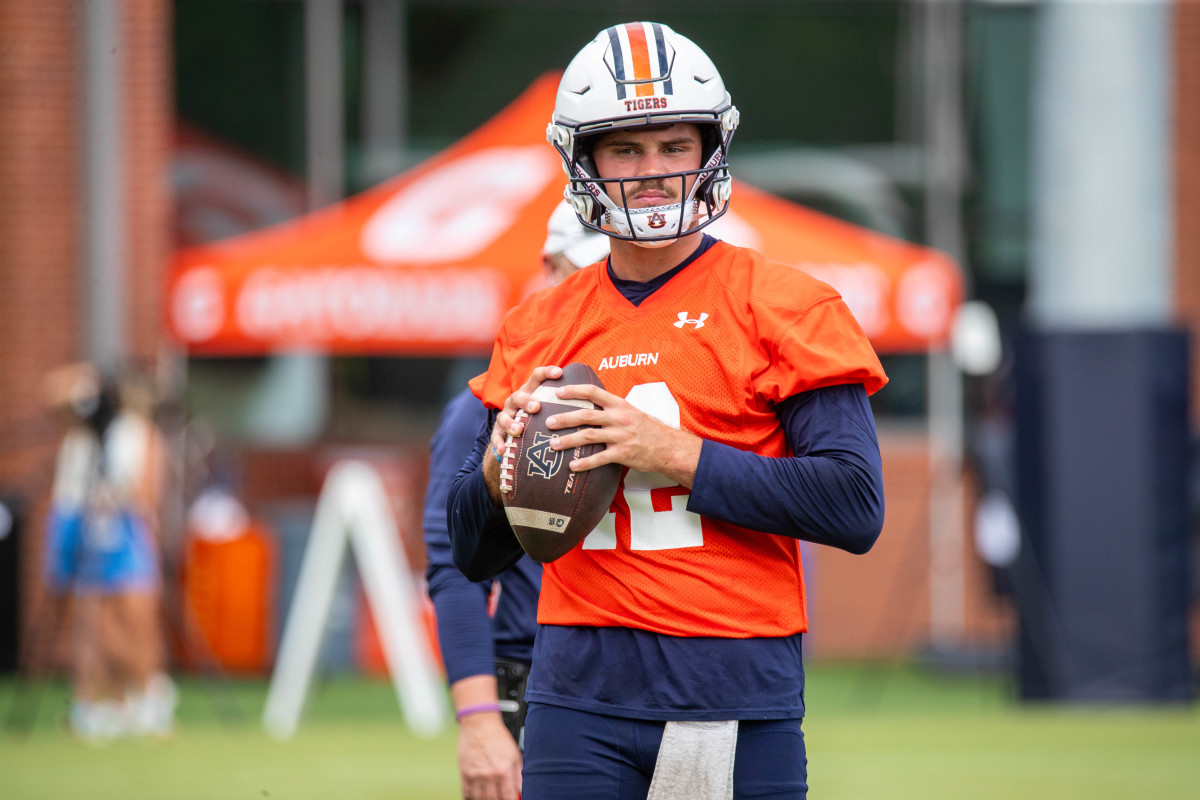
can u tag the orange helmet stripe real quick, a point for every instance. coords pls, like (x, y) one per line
(639, 54)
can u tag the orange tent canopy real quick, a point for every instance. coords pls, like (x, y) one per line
(428, 262)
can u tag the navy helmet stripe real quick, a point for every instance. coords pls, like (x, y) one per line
(614, 41)
(662, 57)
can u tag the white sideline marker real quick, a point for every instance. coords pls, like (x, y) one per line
(353, 510)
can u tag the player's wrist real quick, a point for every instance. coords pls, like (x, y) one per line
(484, 725)
(681, 456)
(476, 711)
(491, 480)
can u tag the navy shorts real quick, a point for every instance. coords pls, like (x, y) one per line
(587, 756)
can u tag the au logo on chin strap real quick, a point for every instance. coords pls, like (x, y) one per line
(684, 320)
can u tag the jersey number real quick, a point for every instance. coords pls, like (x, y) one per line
(645, 506)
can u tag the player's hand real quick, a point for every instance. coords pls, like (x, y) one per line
(506, 423)
(521, 400)
(489, 762)
(631, 437)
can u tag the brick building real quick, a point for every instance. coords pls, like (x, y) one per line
(42, 304)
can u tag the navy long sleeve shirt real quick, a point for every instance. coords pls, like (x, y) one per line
(830, 491)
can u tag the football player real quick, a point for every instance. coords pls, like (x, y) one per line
(667, 662)
(487, 655)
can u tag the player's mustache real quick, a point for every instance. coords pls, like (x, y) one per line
(652, 185)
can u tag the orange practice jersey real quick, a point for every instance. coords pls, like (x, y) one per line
(714, 351)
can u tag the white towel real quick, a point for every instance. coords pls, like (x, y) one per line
(695, 762)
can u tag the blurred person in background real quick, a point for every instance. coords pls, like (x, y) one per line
(668, 659)
(486, 629)
(102, 552)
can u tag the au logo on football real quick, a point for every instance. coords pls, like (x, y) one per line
(543, 462)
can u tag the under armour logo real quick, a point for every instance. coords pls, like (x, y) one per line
(683, 320)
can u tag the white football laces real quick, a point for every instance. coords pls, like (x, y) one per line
(508, 457)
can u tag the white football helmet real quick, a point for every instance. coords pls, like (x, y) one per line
(638, 74)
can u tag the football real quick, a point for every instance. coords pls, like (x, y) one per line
(550, 508)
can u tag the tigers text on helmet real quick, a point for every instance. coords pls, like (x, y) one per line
(634, 75)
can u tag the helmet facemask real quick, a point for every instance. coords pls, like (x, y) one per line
(652, 226)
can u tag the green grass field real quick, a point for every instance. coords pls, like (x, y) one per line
(872, 732)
